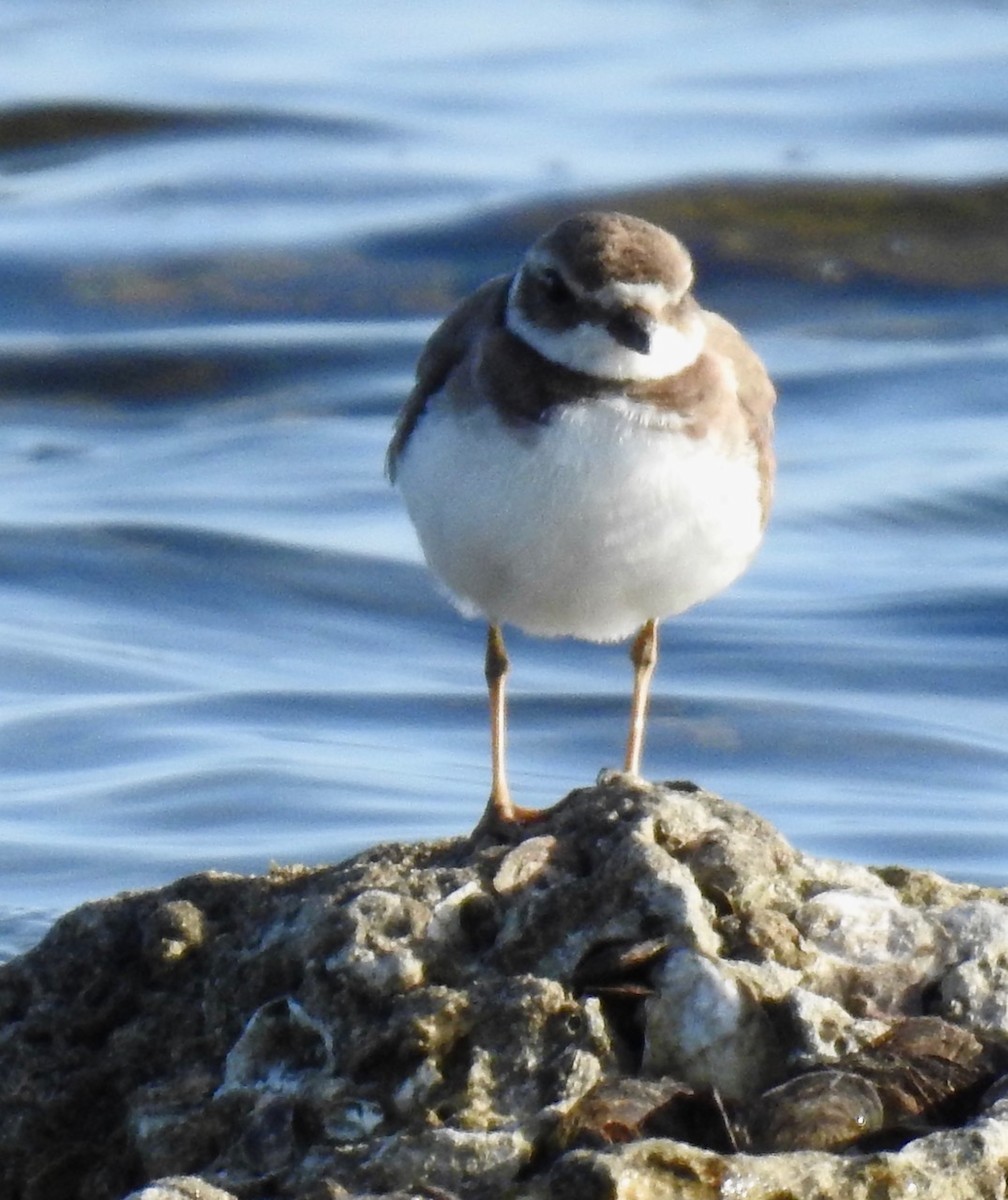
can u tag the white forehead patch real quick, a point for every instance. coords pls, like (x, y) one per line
(652, 297)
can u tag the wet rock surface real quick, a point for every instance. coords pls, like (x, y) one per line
(648, 993)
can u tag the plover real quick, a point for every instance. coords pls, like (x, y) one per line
(586, 451)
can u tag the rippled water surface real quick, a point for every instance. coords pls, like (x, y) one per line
(226, 230)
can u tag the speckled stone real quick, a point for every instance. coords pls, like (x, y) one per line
(649, 993)
(180, 1187)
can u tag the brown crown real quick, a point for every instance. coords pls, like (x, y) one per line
(597, 248)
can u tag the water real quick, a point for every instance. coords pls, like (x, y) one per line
(218, 647)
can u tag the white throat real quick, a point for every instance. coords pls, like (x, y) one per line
(588, 348)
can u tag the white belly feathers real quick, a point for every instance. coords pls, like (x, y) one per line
(587, 525)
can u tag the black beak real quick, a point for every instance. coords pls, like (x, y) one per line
(632, 328)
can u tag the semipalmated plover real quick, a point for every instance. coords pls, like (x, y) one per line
(586, 451)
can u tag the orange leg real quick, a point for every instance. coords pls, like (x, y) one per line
(501, 809)
(496, 676)
(644, 656)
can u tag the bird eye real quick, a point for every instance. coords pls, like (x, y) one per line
(556, 290)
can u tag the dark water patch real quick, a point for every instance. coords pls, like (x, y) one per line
(292, 734)
(975, 510)
(829, 233)
(852, 647)
(145, 736)
(296, 283)
(912, 387)
(141, 378)
(176, 570)
(838, 233)
(836, 238)
(977, 122)
(194, 364)
(976, 613)
(32, 127)
(786, 739)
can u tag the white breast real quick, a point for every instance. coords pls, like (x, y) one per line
(587, 525)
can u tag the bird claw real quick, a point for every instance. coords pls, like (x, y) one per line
(502, 817)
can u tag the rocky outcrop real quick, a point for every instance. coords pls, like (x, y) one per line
(647, 993)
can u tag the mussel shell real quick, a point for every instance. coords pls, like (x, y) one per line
(823, 1110)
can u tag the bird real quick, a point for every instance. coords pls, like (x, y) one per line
(586, 452)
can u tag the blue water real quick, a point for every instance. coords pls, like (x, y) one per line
(218, 647)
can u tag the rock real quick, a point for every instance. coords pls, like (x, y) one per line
(648, 993)
(705, 1027)
(823, 1030)
(278, 1048)
(180, 1188)
(380, 953)
(176, 929)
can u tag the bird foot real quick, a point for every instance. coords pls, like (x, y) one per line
(503, 818)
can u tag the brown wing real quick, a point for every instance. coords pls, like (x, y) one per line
(756, 394)
(447, 347)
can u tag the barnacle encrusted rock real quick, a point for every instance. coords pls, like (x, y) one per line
(648, 993)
